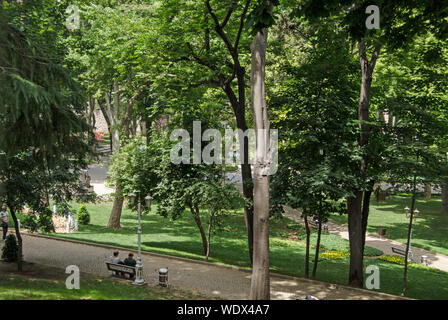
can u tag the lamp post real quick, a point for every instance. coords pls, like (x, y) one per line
(139, 266)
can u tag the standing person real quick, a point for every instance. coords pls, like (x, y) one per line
(4, 218)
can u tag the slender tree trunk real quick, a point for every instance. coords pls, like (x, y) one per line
(197, 219)
(316, 254)
(445, 196)
(260, 282)
(405, 274)
(209, 234)
(148, 132)
(19, 239)
(307, 249)
(354, 204)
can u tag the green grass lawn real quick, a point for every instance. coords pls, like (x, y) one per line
(37, 282)
(229, 246)
(429, 230)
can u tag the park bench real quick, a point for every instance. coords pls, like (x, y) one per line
(314, 224)
(401, 252)
(121, 270)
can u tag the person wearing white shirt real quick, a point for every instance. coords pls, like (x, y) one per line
(115, 258)
(4, 218)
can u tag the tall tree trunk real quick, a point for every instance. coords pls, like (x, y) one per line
(307, 248)
(246, 172)
(148, 131)
(260, 282)
(112, 110)
(117, 207)
(354, 204)
(355, 239)
(238, 104)
(109, 123)
(428, 191)
(114, 115)
(445, 196)
(195, 212)
(408, 243)
(365, 215)
(316, 254)
(19, 238)
(91, 112)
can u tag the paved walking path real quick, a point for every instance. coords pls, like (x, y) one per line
(209, 279)
(436, 260)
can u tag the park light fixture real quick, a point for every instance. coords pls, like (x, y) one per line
(416, 212)
(132, 196)
(148, 199)
(406, 210)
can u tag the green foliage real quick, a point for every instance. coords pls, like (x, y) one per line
(83, 215)
(413, 93)
(45, 221)
(261, 16)
(397, 25)
(10, 251)
(30, 221)
(43, 137)
(312, 109)
(335, 243)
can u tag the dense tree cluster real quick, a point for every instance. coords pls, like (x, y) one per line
(353, 106)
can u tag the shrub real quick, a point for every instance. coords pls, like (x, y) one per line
(46, 221)
(83, 215)
(10, 251)
(333, 254)
(62, 209)
(30, 221)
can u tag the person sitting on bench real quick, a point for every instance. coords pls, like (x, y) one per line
(116, 259)
(129, 261)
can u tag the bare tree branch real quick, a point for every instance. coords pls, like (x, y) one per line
(219, 29)
(240, 30)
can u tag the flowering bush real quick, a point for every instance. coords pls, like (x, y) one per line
(333, 254)
(393, 259)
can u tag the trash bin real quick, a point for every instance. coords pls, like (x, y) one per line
(382, 231)
(163, 277)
